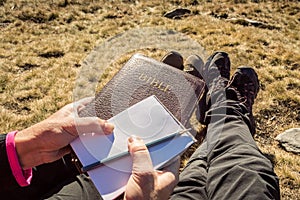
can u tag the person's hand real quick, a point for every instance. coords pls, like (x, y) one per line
(49, 140)
(145, 182)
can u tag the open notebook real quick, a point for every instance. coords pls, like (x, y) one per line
(148, 119)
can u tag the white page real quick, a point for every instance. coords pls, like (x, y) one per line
(147, 119)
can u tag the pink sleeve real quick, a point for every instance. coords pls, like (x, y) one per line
(23, 177)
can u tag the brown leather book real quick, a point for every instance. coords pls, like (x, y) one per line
(142, 77)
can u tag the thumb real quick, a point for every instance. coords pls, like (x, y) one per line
(88, 125)
(168, 178)
(140, 155)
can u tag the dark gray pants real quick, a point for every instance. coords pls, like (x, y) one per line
(57, 180)
(228, 165)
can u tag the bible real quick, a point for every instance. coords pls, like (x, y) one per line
(142, 77)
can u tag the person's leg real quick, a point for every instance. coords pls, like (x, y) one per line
(236, 167)
(192, 180)
(45, 178)
(79, 187)
(192, 184)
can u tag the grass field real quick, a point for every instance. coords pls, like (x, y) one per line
(43, 43)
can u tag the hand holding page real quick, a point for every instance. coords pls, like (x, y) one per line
(120, 155)
(148, 119)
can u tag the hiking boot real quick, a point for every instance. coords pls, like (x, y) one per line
(215, 72)
(246, 82)
(194, 65)
(218, 64)
(173, 59)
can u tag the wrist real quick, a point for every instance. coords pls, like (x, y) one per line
(23, 177)
(25, 146)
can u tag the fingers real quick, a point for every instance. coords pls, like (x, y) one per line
(85, 100)
(63, 151)
(81, 104)
(89, 125)
(104, 127)
(78, 105)
(145, 183)
(168, 178)
(166, 182)
(52, 156)
(174, 167)
(140, 155)
(93, 125)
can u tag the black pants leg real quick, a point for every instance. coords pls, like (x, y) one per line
(79, 187)
(229, 165)
(57, 180)
(193, 178)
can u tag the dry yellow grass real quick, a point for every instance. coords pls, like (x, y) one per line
(42, 45)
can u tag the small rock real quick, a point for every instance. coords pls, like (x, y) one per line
(27, 66)
(290, 140)
(250, 22)
(52, 54)
(177, 13)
